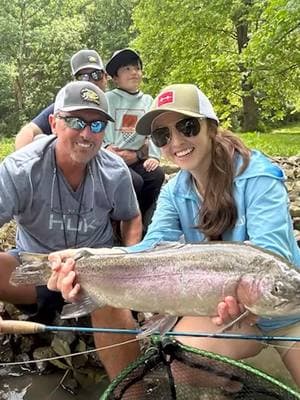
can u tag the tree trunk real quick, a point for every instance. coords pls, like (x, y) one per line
(250, 115)
(249, 120)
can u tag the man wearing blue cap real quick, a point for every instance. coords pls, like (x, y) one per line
(63, 190)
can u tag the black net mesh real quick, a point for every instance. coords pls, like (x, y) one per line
(169, 370)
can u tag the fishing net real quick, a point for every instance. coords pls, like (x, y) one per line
(169, 370)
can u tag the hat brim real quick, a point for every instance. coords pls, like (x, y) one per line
(122, 58)
(92, 66)
(76, 108)
(143, 126)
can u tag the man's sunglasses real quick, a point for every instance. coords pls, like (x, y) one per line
(188, 127)
(90, 76)
(79, 124)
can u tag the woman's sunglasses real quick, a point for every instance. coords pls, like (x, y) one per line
(79, 124)
(90, 76)
(188, 127)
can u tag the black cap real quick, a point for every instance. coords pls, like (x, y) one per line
(120, 58)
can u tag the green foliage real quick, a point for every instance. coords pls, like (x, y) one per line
(38, 37)
(200, 42)
(6, 147)
(273, 58)
(180, 41)
(108, 25)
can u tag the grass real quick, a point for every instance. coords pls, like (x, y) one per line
(284, 141)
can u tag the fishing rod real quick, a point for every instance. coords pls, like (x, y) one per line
(26, 327)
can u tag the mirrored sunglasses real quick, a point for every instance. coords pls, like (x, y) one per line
(188, 127)
(79, 124)
(91, 76)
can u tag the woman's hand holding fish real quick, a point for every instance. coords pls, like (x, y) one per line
(229, 310)
(63, 278)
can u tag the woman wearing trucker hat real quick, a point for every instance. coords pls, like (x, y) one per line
(223, 191)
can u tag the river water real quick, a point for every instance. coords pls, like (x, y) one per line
(45, 387)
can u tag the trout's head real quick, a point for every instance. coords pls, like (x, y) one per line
(272, 295)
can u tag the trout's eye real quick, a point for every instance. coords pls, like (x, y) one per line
(278, 288)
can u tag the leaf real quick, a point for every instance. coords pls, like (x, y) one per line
(60, 364)
(80, 360)
(61, 347)
(89, 376)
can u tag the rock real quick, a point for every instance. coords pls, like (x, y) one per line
(297, 223)
(295, 211)
(42, 353)
(6, 351)
(7, 236)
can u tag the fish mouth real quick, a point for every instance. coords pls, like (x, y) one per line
(282, 303)
(285, 303)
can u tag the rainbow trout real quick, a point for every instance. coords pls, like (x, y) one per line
(180, 279)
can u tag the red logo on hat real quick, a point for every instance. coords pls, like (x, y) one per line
(165, 98)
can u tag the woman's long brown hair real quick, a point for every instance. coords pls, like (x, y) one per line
(218, 212)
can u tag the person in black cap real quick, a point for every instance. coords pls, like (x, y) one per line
(128, 104)
(63, 190)
(86, 65)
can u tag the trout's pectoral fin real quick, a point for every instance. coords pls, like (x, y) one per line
(81, 253)
(83, 307)
(157, 324)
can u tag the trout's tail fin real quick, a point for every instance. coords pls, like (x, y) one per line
(33, 270)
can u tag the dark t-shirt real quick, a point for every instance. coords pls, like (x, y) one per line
(42, 119)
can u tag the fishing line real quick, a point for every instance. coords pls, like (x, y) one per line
(19, 363)
(11, 364)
